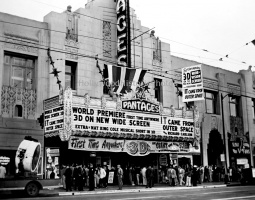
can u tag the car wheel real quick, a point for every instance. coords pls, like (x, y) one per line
(32, 189)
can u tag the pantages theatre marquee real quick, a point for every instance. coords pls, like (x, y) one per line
(130, 125)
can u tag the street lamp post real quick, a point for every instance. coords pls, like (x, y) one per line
(224, 138)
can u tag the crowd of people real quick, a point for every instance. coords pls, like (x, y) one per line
(79, 177)
(189, 175)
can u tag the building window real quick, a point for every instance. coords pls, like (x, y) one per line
(181, 104)
(158, 90)
(70, 70)
(18, 71)
(210, 102)
(106, 89)
(18, 111)
(234, 105)
(253, 108)
(178, 87)
(180, 101)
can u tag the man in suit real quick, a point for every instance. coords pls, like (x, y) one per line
(68, 175)
(91, 177)
(149, 176)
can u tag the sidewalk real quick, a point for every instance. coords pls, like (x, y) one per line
(133, 189)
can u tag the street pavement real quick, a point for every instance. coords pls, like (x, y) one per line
(214, 190)
(210, 192)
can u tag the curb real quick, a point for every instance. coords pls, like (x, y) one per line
(137, 190)
(52, 187)
(236, 184)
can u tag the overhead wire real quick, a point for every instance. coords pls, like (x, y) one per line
(150, 71)
(89, 56)
(100, 39)
(220, 59)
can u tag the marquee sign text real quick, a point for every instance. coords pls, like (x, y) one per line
(99, 120)
(132, 147)
(140, 105)
(53, 119)
(122, 33)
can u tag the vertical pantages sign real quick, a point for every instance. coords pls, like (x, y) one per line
(123, 36)
(192, 83)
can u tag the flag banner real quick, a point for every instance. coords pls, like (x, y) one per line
(192, 83)
(123, 79)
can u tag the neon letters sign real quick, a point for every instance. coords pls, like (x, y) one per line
(122, 32)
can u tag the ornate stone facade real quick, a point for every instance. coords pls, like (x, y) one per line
(71, 42)
(10, 97)
(66, 133)
(157, 57)
(234, 89)
(71, 48)
(21, 43)
(212, 84)
(107, 38)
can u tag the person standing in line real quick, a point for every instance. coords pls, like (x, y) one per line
(210, 173)
(171, 174)
(68, 177)
(230, 173)
(194, 176)
(153, 175)
(106, 177)
(96, 177)
(2, 171)
(201, 174)
(206, 174)
(149, 176)
(143, 171)
(177, 181)
(130, 176)
(137, 174)
(188, 176)
(181, 175)
(72, 169)
(198, 175)
(79, 178)
(63, 177)
(102, 175)
(120, 176)
(91, 177)
(85, 175)
(75, 176)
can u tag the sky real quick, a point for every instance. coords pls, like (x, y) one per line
(200, 30)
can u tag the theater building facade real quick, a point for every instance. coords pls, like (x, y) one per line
(130, 131)
(85, 122)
